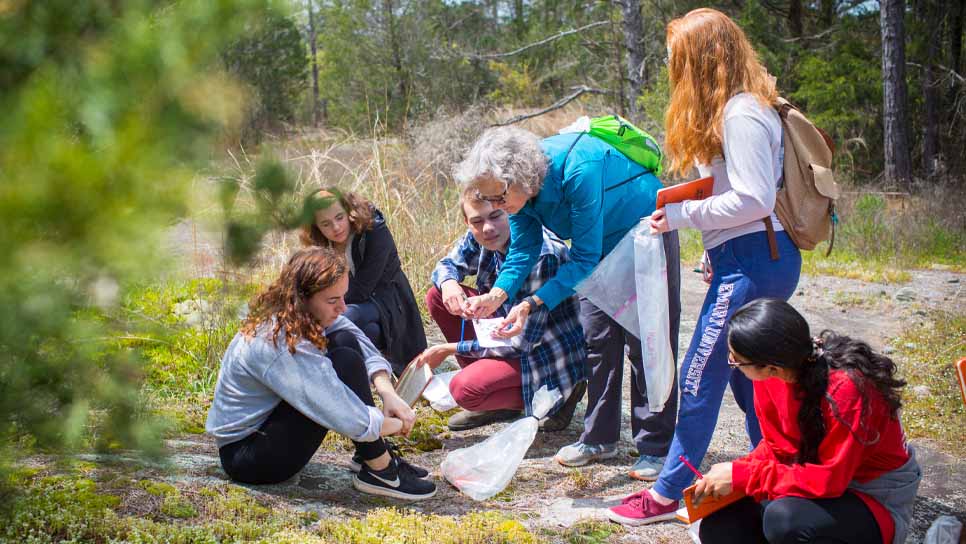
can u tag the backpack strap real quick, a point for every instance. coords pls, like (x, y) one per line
(571, 148)
(772, 241)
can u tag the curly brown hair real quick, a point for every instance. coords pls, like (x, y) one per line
(358, 208)
(307, 272)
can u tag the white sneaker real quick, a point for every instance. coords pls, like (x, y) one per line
(579, 454)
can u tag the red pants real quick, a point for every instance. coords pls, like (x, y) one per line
(483, 384)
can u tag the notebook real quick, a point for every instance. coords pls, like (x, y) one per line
(413, 381)
(698, 189)
(708, 504)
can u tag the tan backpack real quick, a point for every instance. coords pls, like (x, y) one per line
(805, 203)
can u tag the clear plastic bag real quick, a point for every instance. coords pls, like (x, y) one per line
(637, 298)
(437, 391)
(945, 530)
(484, 469)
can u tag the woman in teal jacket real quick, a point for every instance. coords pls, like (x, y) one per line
(586, 191)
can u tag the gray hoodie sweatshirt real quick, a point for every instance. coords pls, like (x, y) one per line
(256, 375)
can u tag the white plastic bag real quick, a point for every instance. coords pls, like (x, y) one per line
(945, 530)
(437, 391)
(635, 295)
(484, 469)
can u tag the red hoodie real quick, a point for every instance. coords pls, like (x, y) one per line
(857, 446)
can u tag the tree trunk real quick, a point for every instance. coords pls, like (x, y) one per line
(313, 37)
(931, 15)
(894, 116)
(957, 14)
(828, 13)
(795, 25)
(619, 70)
(395, 49)
(634, 42)
(519, 23)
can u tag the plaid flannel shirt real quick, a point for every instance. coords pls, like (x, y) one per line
(551, 348)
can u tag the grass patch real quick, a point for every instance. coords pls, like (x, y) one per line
(878, 241)
(932, 404)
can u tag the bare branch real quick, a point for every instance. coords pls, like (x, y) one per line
(949, 71)
(555, 106)
(562, 34)
(818, 36)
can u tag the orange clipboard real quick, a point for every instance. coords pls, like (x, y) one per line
(698, 189)
(961, 375)
(708, 503)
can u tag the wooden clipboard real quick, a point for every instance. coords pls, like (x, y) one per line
(698, 189)
(708, 504)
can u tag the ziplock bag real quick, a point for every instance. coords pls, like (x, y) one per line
(484, 469)
(630, 286)
(437, 392)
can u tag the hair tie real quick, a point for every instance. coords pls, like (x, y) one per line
(818, 348)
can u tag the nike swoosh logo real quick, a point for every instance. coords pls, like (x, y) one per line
(391, 483)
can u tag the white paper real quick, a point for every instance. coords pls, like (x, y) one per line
(484, 333)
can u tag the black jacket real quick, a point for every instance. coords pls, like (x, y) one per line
(379, 279)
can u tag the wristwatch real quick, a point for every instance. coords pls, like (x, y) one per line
(531, 302)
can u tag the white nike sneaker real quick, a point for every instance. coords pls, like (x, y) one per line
(393, 482)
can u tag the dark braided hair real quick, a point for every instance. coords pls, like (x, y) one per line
(771, 332)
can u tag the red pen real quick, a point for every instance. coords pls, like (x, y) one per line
(690, 466)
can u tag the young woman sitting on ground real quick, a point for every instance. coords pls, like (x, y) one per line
(380, 299)
(833, 464)
(297, 369)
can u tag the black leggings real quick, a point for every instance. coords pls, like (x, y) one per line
(793, 520)
(365, 315)
(285, 443)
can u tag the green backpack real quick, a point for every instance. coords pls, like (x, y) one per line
(633, 142)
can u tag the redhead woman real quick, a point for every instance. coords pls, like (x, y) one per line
(298, 369)
(380, 300)
(722, 119)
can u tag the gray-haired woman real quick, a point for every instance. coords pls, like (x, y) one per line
(586, 191)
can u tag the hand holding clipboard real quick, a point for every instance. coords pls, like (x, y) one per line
(698, 189)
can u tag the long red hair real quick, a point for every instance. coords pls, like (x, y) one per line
(307, 272)
(710, 61)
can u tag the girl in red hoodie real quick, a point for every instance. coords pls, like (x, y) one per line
(833, 464)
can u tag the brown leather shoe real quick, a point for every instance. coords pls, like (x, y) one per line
(560, 420)
(465, 420)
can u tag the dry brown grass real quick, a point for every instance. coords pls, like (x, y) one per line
(407, 178)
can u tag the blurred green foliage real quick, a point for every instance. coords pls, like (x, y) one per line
(110, 110)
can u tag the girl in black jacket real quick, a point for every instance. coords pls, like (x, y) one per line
(380, 300)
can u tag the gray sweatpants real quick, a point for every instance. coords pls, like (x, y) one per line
(606, 341)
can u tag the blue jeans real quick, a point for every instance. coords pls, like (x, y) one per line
(743, 271)
(365, 315)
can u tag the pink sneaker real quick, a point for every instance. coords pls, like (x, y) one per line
(641, 509)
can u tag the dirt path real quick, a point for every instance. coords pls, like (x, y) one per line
(547, 495)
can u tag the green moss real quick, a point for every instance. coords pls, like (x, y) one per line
(591, 532)
(413, 528)
(932, 403)
(158, 489)
(178, 507)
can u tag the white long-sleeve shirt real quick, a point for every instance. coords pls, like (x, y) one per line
(746, 179)
(256, 374)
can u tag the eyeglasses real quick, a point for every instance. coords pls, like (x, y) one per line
(735, 364)
(495, 199)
